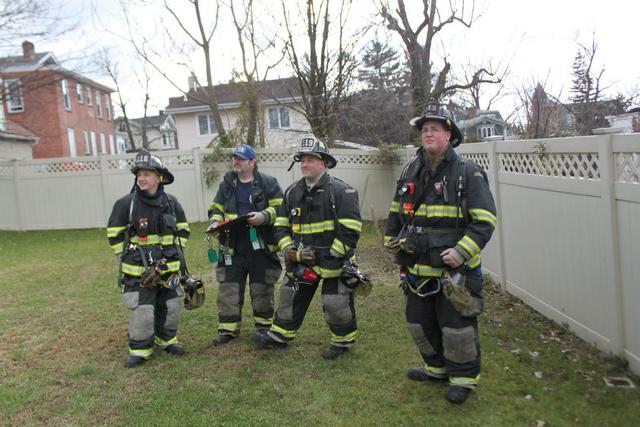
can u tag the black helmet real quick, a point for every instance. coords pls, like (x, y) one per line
(436, 111)
(315, 147)
(145, 160)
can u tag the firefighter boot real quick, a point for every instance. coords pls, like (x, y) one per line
(263, 340)
(332, 352)
(133, 361)
(222, 340)
(457, 394)
(421, 374)
(175, 349)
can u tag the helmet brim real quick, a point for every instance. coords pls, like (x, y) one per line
(331, 161)
(167, 177)
(456, 135)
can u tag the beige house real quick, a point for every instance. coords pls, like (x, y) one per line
(282, 123)
(159, 132)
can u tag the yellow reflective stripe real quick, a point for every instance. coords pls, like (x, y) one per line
(152, 239)
(132, 270)
(114, 231)
(327, 273)
(284, 242)
(352, 224)
(262, 320)
(162, 343)
(141, 352)
(275, 202)
(395, 207)
(439, 211)
(216, 218)
(425, 270)
(281, 221)
(483, 215)
(173, 266)
(435, 369)
(464, 380)
(313, 227)
(272, 214)
(229, 215)
(339, 247)
(183, 226)
(231, 326)
(217, 206)
(469, 245)
(387, 239)
(167, 239)
(474, 261)
(350, 337)
(118, 247)
(284, 332)
(180, 241)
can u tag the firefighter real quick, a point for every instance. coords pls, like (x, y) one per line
(247, 248)
(148, 229)
(317, 228)
(441, 216)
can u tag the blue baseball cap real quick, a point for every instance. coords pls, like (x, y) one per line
(245, 152)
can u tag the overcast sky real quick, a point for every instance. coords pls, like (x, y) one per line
(537, 38)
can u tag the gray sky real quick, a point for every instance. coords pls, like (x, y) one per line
(537, 38)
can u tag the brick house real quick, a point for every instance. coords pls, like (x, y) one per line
(70, 114)
(281, 122)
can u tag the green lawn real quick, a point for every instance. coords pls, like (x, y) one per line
(63, 343)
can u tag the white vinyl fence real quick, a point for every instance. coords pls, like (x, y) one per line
(567, 241)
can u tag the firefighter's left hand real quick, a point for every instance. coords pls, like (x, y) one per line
(452, 258)
(258, 218)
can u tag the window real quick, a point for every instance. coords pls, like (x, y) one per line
(279, 117)
(167, 139)
(71, 134)
(94, 145)
(121, 145)
(79, 93)
(87, 145)
(65, 95)
(486, 131)
(107, 106)
(206, 126)
(14, 96)
(112, 147)
(89, 99)
(99, 103)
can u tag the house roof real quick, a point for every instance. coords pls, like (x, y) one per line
(152, 121)
(16, 132)
(465, 124)
(229, 95)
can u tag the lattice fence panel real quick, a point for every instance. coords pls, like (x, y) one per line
(274, 157)
(564, 165)
(120, 163)
(6, 170)
(56, 168)
(481, 159)
(628, 167)
(177, 160)
(359, 159)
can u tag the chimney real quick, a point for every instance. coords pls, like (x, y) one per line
(28, 50)
(193, 83)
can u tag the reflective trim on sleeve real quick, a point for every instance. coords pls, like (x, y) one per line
(281, 221)
(340, 247)
(173, 266)
(275, 202)
(183, 226)
(387, 239)
(483, 215)
(475, 261)
(114, 231)
(284, 242)
(313, 227)
(425, 270)
(118, 248)
(132, 270)
(216, 218)
(352, 224)
(180, 241)
(469, 245)
(217, 206)
(395, 207)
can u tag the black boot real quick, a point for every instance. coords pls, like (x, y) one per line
(133, 361)
(175, 349)
(332, 352)
(263, 340)
(222, 340)
(421, 374)
(457, 393)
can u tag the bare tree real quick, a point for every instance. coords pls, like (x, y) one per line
(252, 49)
(324, 72)
(31, 19)
(425, 82)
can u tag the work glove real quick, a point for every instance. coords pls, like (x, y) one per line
(304, 255)
(454, 289)
(259, 218)
(408, 245)
(210, 231)
(212, 225)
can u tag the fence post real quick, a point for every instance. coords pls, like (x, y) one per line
(611, 244)
(16, 189)
(103, 185)
(197, 176)
(498, 233)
